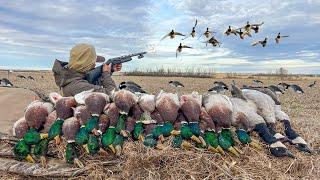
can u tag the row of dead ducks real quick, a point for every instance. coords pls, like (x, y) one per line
(97, 123)
(242, 32)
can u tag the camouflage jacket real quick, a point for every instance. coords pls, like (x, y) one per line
(72, 82)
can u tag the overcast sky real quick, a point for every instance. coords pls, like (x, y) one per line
(34, 33)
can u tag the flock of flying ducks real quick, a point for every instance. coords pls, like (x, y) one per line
(243, 32)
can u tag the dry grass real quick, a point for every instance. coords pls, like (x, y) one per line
(139, 162)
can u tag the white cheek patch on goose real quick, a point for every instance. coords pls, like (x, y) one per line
(277, 144)
(299, 140)
(279, 136)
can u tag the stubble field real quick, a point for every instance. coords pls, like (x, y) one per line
(138, 162)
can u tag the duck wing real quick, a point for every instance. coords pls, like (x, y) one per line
(257, 24)
(284, 36)
(179, 34)
(165, 36)
(184, 46)
(196, 23)
(255, 43)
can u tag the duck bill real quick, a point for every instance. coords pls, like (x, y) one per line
(124, 133)
(112, 148)
(96, 132)
(255, 145)
(78, 163)
(85, 146)
(238, 150)
(30, 159)
(212, 149)
(141, 138)
(233, 151)
(43, 161)
(220, 150)
(185, 145)
(175, 132)
(118, 150)
(44, 135)
(103, 152)
(57, 139)
(161, 138)
(196, 139)
(203, 142)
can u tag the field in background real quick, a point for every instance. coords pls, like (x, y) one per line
(140, 162)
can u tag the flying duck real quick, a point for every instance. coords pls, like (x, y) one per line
(193, 31)
(180, 47)
(279, 37)
(172, 35)
(213, 41)
(242, 34)
(262, 42)
(256, 27)
(230, 31)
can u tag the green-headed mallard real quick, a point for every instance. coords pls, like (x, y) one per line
(22, 151)
(172, 34)
(167, 104)
(178, 140)
(219, 107)
(209, 134)
(279, 37)
(70, 129)
(41, 150)
(108, 137)
(262, 42)
(49, 121)
(180, 47)
(64, 110)
(190, 106)
(95, 103)
(124, 100)
(35, 116)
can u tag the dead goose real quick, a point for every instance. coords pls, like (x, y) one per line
(275, 89)
(129, 83)
(256, 81)
(180, 47)
(172, 34)
(279, 37)
(262, 42)
(246, 117)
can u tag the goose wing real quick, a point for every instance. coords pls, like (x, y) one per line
(255, 43)
(179, 34)
(184, 46)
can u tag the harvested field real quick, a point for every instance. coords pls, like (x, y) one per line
(139, 162)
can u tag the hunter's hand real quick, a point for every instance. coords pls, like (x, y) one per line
(106, 68)
(117, 67)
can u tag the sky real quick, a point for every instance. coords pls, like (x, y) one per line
(35, 33)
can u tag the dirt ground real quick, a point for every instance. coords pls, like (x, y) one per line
(304, 110)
